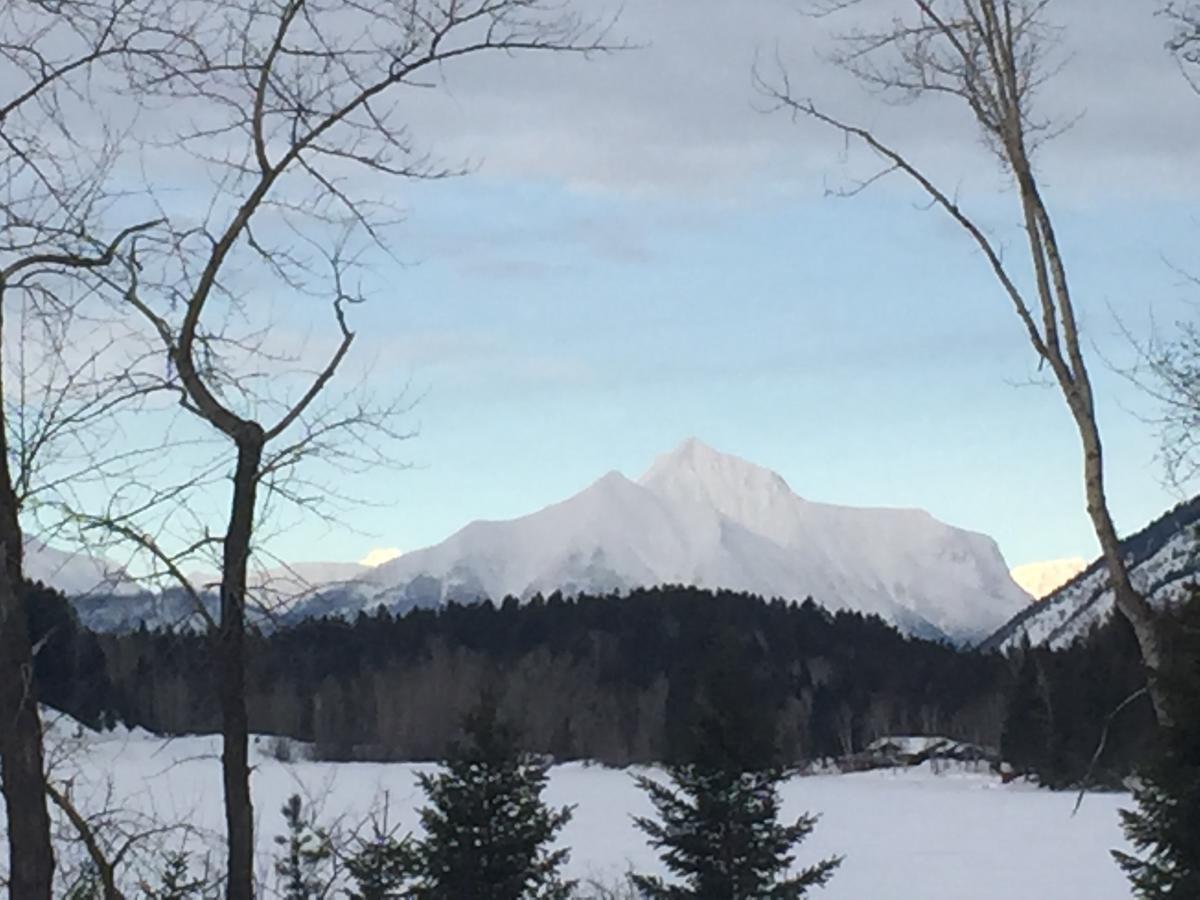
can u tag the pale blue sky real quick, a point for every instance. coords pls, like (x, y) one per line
(856, 347)
(642, 256)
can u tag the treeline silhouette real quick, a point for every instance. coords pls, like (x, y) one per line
(612, 678)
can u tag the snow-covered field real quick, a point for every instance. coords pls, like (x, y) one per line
(905, 834)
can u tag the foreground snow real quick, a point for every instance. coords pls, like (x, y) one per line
(905, 834)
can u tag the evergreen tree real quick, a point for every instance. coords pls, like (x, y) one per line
(301, 869)
(718, 827)
(719, 832)
(380, 865)
(1165, 828)
(487, 829)
(176, 881)
(86, 885)
(1028, 724)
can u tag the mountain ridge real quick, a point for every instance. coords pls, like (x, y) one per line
(698, 516)
(695, 516)
(1164, 563)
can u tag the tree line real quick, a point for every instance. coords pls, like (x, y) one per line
(616, 679)
(743, 691)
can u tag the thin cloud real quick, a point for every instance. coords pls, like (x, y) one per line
(679, 113)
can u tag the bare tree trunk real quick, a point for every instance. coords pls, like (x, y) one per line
(1075, 383)
(1132, 605)
(235, 761)
(31, 859)
(309, 87)
(991, 56)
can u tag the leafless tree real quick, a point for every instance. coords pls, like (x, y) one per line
(1167, 371)
(1168, 366)
(54, 241)
(97, 834)
(1185, 42)
(992, 57)
(294, 111)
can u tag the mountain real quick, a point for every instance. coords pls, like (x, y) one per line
(1040, 579)
(75, 574)
(286, 584)
(1164, 560)
(108, 599)
(708, 519)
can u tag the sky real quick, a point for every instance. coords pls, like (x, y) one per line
(643, 252)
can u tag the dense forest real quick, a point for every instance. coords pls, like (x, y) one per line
(619, 679)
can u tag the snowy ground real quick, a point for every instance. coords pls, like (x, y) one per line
(905, 834)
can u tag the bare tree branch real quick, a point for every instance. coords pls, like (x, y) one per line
(105, 869)
(993, 56)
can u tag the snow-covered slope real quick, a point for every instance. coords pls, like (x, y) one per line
(1040, 579)
(76, 574)
(288, 583)
(714, 520)
(1165, 560)
(906, 834)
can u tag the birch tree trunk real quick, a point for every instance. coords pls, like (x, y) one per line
(992, 56)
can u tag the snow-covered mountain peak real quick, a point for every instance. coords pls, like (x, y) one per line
(711, 519)
(611, 481)
(697, 460)
(699, 516)
(1041, 579)
(599, 502)
(695, 474)
(75, 573)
